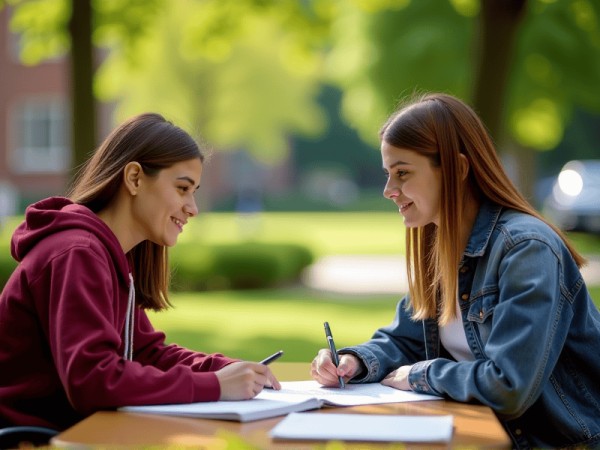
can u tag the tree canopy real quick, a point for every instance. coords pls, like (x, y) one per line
(246, 73)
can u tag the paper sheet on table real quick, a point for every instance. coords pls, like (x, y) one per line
(351, 395)
(364, 427)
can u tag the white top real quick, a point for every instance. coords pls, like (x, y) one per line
(454, 339)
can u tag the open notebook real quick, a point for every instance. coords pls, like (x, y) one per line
(294, 396)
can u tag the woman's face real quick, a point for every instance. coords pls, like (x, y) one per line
(166, 201)
(413, 184)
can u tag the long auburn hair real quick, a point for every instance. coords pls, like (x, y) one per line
(442, 127)
(155, 144)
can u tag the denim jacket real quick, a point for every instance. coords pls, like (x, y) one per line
(531, 325)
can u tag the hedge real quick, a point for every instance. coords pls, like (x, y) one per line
(248, 265)
(197, 266)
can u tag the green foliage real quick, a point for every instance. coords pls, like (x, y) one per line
(297, 201)
(380, 55)
(42, 25)
(247, 72)
(248, 265)
(556, 66)
(383, 53)
(232, 69)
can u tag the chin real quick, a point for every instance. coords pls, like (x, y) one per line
(164, 242)
(170, 243)
(411, 223)
(415, 224)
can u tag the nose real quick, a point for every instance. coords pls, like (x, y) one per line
(389, 191)
(191, 208)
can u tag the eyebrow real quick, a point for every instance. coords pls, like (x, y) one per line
(189, 180)
(397, 163)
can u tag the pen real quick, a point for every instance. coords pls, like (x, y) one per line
(334, 354)
(273, 357)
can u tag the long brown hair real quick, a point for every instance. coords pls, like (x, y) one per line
(155, 144)
(442, 127)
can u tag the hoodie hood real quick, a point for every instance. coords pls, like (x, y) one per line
(55, 214)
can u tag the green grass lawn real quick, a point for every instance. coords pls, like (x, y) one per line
(253, 324)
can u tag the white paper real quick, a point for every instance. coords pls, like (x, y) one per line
(242, 410)
(364, 427)
(293, 397)
(351, 395)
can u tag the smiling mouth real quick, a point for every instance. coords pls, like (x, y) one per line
(178, 222)
(404, 206)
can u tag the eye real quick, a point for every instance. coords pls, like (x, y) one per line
(183, 188)
(401, 173)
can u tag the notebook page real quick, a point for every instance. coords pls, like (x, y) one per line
(352, 395)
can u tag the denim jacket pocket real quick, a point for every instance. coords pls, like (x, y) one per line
(482, 308)
(480, 314)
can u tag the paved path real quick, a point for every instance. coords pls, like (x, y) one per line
(364, 274)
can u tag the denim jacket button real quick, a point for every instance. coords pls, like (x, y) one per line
(465, 296)
(481, 314)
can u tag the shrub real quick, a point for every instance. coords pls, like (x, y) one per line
(249, 265)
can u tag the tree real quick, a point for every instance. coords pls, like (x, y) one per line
(52, 28)
(245, 73)
(83, 105)
(526, 96)
(525, 65)
(499, 21)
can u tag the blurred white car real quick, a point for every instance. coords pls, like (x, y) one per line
(574, 203)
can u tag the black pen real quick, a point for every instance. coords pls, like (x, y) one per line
(334, 354)
(273, 357)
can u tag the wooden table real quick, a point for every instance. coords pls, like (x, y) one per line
(474, 425)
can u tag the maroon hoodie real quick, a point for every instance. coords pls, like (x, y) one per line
(62, 328)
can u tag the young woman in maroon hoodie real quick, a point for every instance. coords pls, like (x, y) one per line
(74, 335)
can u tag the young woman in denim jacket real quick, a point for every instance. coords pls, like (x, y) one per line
(497, 311)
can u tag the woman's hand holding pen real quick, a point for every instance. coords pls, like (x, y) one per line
(323, 369)
(244, 380)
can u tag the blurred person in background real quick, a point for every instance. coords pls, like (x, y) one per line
(497, 311)
(74, 334)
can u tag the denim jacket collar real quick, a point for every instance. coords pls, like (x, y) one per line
(486, 220)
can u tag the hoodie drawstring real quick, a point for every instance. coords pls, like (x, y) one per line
(129, 322)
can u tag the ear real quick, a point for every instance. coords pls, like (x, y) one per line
(131, 177)
(464, 166)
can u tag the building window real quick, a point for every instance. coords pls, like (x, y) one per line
(39, 130)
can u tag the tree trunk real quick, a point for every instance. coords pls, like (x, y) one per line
(520, 164)
(499, 22)
(83, 107)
